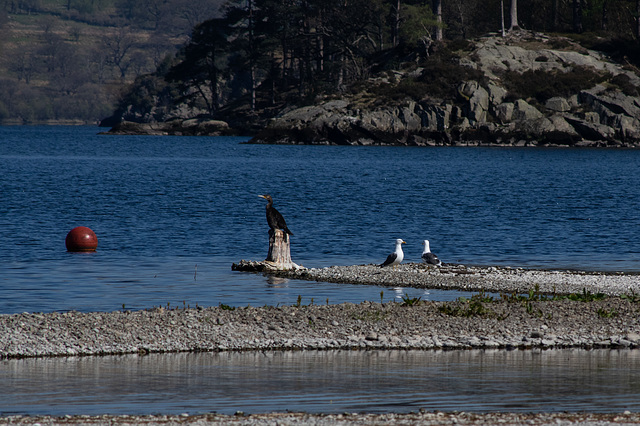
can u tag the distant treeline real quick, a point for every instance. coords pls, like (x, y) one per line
(68, 60)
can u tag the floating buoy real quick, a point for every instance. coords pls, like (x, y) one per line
(81, 238)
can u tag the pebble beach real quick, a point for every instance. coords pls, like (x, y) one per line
(514, 309)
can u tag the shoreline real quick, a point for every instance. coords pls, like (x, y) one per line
(532, 310)
(471, 278)
(346, 419)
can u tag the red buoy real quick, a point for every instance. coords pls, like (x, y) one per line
(81, 238)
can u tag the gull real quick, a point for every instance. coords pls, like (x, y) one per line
(428, 257)
(396, 257)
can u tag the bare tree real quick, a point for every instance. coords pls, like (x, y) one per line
(159, 11)
(555, 10)
(23, 64)
(99, 65)
(119, 45)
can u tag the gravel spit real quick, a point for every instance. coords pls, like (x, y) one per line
(473, 278)
(534, 321)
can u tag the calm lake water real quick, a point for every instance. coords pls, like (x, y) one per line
(172, 214)
(325, 382)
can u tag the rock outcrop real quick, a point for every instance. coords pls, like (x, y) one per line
(483, 113)
(176, 127)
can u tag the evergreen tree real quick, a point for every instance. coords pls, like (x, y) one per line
(204, 62)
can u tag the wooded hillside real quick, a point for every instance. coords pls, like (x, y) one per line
(263, 55)
(72, 60)
(68, 60)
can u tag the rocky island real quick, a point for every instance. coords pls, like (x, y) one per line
(578, 97)
(525, 89)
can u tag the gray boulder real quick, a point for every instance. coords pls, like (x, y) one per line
(610, 102)
(557, 104)
(522, 110)
(591, 131)
(436, 117)
(496, 94)
(478, 101)
(614, 109)
(504, 112)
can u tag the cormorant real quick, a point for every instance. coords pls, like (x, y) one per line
(428, 257)
(274, 218)
(396, 257)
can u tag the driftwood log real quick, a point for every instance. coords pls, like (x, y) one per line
(278, 257)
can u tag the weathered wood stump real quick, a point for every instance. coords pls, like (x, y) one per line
(278, 257)
(279, 248)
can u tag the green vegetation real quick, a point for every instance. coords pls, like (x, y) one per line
(631, 297)
(542, 85)
(623, 82)
(605, 313)
(470, 307)
(476, 306)
(410, 301)
(586, 296)
(439, 79)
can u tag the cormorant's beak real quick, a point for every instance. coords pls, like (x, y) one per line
(262, 196)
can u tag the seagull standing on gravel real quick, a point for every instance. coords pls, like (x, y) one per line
(396, 257)
(428, 257)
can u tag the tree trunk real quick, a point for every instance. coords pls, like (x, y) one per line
(438, 13)
(577, 16)
(638, 18)
(514, 15)
(280, 250)
(252, 64)
(396, 25)
(502, 17)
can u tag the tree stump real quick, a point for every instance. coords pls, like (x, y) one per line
(278, 257)
(280, 250)
(279, 247)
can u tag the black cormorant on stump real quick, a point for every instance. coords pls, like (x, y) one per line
(279, 256)
(274, 218)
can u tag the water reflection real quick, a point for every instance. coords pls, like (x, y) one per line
(325, 382)
(91, 283)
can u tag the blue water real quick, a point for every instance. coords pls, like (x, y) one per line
(601, 381)
(172, 214)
